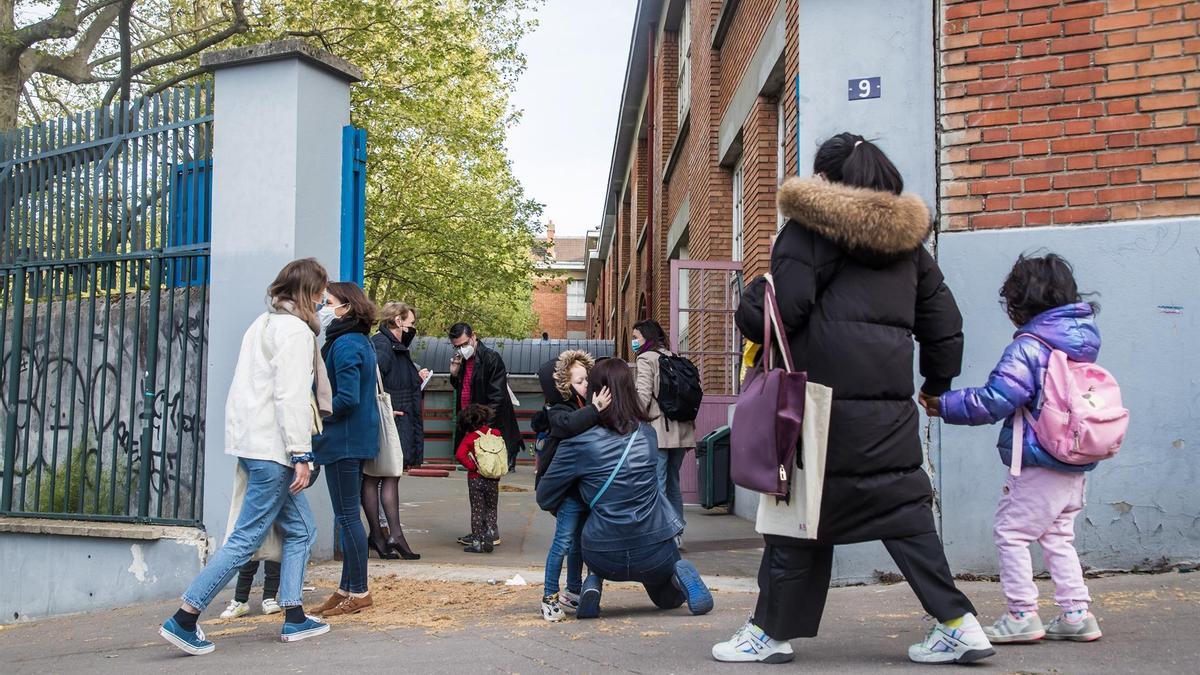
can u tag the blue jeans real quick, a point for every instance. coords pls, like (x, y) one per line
(652, 566)
(267, 502)
(567, 528)
(344, 478)
(669, 461)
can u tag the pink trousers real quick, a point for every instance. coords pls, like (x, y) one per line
(1040, 505)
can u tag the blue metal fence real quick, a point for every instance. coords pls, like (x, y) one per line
(104, 230)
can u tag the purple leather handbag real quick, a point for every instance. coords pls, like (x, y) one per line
(769, 412)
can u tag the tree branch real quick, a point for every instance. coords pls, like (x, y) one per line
(240, 24)
(157, 40)
(182, 77)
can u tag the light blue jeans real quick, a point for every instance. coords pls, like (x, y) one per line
(669, 461)
(267, 502)
(568, 525)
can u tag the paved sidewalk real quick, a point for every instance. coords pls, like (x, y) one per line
(441, 615)
(421, 626)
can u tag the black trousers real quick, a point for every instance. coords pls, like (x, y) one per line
(246, 580)
(793, 582)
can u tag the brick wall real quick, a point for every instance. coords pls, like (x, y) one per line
(550, 305)
(1057, 112)
(667, 124)
(759, 213)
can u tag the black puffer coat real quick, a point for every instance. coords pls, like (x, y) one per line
(855, 286)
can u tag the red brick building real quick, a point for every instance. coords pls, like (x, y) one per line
(1050, 111)
(1068, 125)
(558, 298)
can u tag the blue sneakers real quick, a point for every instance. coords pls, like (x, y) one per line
(191, 642)
(687, 579)
(589, 598)
(295, 632)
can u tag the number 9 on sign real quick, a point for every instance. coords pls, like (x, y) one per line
(863, 88)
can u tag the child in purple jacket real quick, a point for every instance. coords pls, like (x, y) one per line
(1041, 504)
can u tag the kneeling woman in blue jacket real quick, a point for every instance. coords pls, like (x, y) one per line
(351, 434)
(630, 533)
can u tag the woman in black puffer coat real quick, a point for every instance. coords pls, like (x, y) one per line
(855, 287)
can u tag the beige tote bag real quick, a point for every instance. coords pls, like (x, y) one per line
(800, 516)
(390, 460)
(272, 545)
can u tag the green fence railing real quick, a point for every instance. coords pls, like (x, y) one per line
(104, 264)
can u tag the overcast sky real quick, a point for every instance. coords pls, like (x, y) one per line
(570, 95)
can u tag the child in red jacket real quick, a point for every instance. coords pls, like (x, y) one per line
(484, 492)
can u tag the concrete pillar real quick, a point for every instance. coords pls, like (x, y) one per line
(277, 138)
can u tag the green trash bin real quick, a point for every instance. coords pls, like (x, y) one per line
(712, 453)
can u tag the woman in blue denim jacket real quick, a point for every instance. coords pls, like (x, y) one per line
(630, 530)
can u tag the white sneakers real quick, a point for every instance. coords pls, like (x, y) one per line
(1086, 629)
(568, 601)
(965, 644)
(235, 609)
(1008, 629)
(551, 611)
(751, 644)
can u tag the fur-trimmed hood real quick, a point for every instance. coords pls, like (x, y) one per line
(562, 369)
(863, 221)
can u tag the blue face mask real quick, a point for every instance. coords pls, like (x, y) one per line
(636, 344)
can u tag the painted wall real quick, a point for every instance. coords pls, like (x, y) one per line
(1141, 504)
(65, 574)
(891, 40)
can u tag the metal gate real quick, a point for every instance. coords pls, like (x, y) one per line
(104, 231)
(704, 296)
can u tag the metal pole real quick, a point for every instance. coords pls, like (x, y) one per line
(148, 389)
(14, 387)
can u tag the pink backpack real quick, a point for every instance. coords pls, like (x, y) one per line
(1082, 419)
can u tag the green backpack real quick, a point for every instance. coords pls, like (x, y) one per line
(491, 456)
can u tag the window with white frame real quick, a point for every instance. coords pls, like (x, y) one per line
(738, 225)
(576, 307)
(684, 96)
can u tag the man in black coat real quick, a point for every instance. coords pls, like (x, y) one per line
(478, 375)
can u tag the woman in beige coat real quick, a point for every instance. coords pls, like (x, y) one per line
(674, 438)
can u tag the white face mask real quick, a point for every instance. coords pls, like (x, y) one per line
(326, 315)
(466, 351)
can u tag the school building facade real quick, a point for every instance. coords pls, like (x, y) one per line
(558, 299)
(1065, 125)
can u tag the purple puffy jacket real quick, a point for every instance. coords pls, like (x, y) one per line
(1017, 381)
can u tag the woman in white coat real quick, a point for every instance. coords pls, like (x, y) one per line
(270, 417)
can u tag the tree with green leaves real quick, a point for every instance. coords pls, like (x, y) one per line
(449, 228)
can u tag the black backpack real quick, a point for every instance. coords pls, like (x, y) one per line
(679, 390)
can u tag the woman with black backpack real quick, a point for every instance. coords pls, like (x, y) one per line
(675, 436)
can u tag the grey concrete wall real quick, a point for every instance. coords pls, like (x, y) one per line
(46, 575)
(842, 40)
(1143, 503)
(845, 39)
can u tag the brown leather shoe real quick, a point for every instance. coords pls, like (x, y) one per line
(332, 601)
(350, 605)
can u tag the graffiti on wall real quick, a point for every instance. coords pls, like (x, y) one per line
(84, 403)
